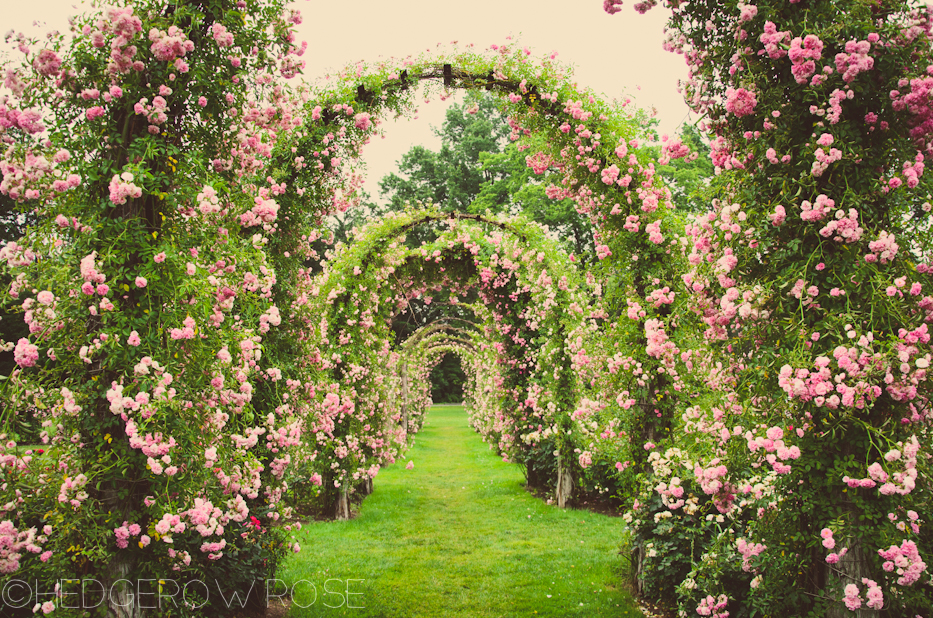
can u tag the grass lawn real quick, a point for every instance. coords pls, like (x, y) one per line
(458, 535)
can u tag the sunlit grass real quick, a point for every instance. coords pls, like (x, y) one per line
(459, 536)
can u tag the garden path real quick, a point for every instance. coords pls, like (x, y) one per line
(458, 535)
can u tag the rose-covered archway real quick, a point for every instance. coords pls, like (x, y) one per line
(525, 296)
(179, 186)
(178, 373)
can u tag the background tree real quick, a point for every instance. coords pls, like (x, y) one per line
(513, 187)
(447, 380)
(690, 178)
(479, 169)
(452, 177)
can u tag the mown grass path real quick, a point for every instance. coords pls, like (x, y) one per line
(458, 535)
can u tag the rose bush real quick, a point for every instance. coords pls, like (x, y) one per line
(808, 275)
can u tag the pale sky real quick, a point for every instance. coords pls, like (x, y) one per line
(617, 56)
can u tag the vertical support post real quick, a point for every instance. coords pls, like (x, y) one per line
(343, 504)
(564, 484)
(404, 373)
(850, 569)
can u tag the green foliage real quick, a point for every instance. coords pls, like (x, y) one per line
(816, 175)
(452, 177)
(447, 380)
(690, 177)
(478, 170)
(120, 290)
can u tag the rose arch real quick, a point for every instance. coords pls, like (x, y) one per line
(592, 154)
(522, 287)
(191, 362)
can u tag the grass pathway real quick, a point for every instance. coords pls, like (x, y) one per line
(459, 536)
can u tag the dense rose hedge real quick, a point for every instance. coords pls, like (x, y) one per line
(803, 481)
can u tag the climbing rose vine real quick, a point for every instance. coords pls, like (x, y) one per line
(141, 142)
(806, 466)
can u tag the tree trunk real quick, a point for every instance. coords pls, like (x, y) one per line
(367, 487)
(564, 484)
(343, 505)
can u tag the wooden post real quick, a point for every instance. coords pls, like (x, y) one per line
(404, 372)
(121, 599)
(564, 484)
(850, 569)
(638, 567)
(531, 475)
(343, 505)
